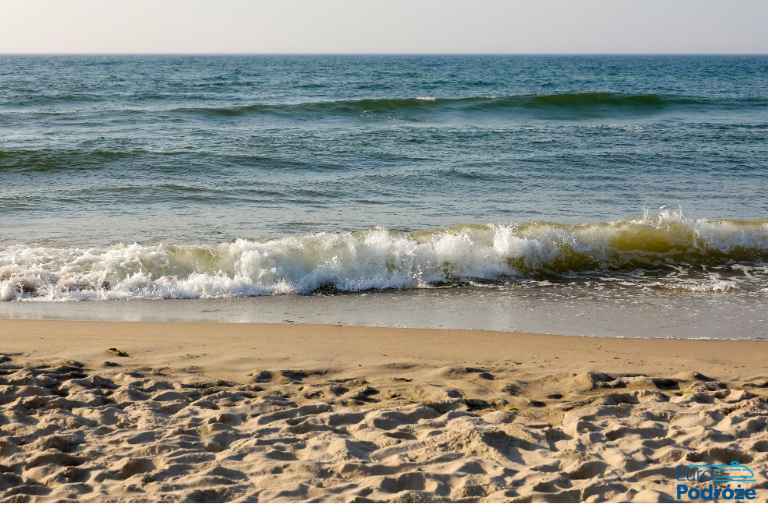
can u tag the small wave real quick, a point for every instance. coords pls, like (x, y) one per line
(47, 159)
(668, 247)
(579, 103)
(38, 100)
(60, 159)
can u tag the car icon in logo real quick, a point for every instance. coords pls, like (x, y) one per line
(733, 472)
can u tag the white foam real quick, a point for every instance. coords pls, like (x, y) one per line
(352, 262)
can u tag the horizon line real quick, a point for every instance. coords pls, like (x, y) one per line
(394, 54)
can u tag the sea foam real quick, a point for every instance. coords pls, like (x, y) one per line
(379, 259)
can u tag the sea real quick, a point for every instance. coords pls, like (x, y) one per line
(593, 195)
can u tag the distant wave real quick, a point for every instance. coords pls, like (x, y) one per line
(37, 99)
(46, 159)
(693, 251)
(567, 104)
(579, 103)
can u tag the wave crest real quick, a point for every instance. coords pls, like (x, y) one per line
(577, 103)
(377, 259)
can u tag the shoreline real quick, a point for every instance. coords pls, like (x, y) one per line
(77, 339)
(147, 412)
(294, 323)
(532, 311)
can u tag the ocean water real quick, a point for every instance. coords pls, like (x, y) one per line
(464, 182)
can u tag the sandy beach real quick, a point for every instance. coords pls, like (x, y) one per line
(131, 412)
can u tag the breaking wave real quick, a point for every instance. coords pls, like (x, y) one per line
(379, 259)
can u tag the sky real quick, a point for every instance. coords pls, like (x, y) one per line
(384, 26)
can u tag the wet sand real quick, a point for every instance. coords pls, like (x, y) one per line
(98, 411)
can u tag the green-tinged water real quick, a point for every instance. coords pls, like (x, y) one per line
(218, 177)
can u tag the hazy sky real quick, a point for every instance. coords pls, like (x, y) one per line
(385, 26)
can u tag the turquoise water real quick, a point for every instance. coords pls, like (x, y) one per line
(214, 177)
